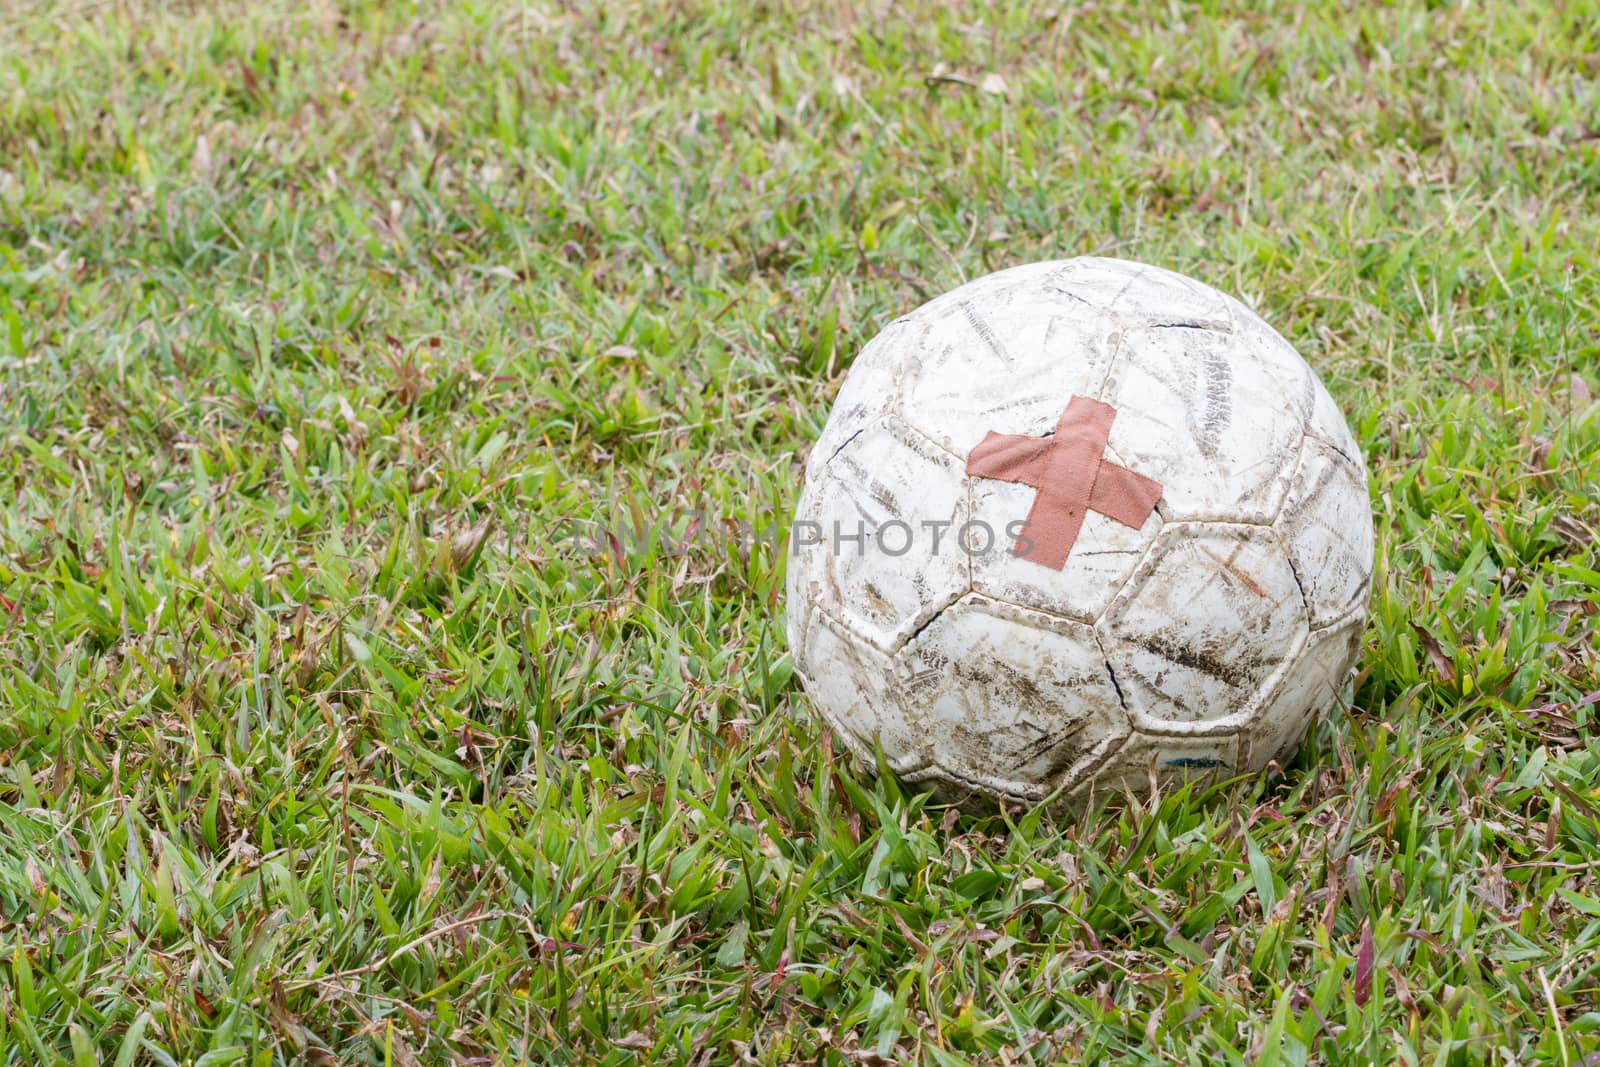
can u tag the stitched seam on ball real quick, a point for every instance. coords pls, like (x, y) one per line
(1046, 612)
(966, 486)
(847, 441)
(957, 778)
(1294, 478)
(1122, 698)
(1355, 461)
(1253, 524)
(903, 643)
(1144, 558)
(1355, 614)
(899, 418)
(845, 629)
(1305, 599)
(1119, 344)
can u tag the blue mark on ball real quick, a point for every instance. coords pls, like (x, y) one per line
(1198, 763)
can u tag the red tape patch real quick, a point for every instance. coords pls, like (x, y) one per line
(1072, 476)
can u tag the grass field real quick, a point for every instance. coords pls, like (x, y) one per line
(323, 332)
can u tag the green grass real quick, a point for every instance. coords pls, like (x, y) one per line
(322, 739)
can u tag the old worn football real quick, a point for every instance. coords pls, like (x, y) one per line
(1078, 525)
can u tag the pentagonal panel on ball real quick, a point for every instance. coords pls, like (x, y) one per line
(1326, 524)
(1313, 685)
(871, 543)
(1199, 413)
(1013, 701)
(1204, 628)
(1007, 360)
(851, 684)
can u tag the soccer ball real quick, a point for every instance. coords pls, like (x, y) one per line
(1081, 525)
